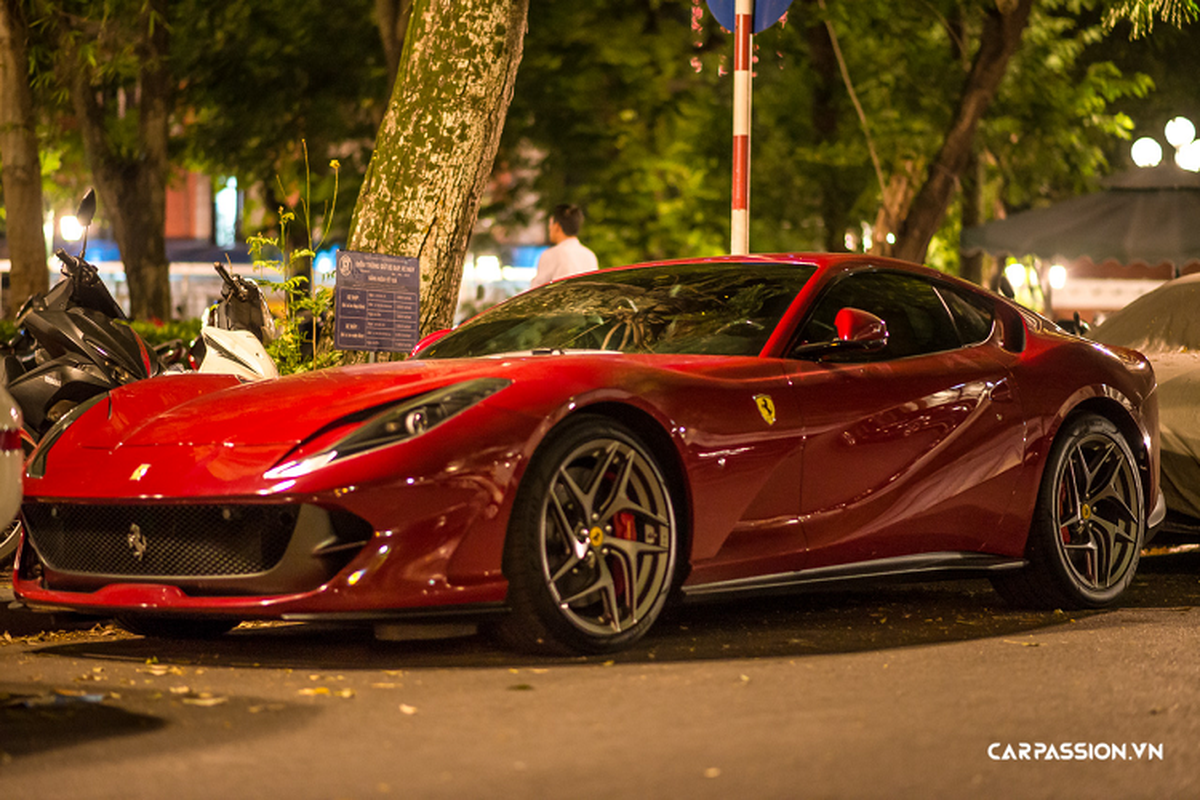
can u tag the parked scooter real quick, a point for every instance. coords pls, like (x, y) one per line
(235, 331)
(72, 343)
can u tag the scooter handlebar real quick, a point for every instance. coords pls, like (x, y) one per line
(75, 266)
(233, 283)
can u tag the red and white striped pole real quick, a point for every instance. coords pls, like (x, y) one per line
(742, 47)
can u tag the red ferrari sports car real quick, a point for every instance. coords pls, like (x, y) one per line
(565, 464)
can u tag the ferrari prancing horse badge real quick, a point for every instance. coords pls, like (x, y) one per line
(766, 407)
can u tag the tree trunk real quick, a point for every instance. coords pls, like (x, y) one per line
(435, 148)
(133, 190)
(1001, 36)
(392, 18)
(971, 266)
(835, 213)
(21, 168)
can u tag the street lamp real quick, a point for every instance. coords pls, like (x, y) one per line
(1057, 276)
(70, 228)
(1146, 152)
(1180, 131)
(1181, 135)
(1188, 156)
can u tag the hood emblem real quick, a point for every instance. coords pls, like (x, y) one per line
(766, 407)
(140, 472)
(136, 541)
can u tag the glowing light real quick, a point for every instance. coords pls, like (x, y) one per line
(1015, 274)
(324, 262)
(1146, 152)
(297, 469)
(70, 228)
(225, 208)
(1058, 276)
(1180, 131)
(487, 268)
(891, 238)
(1188, 156)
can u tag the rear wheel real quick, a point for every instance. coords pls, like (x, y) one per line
(1089, 524)
(175, 627)
(592, 544)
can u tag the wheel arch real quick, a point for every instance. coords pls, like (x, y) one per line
(658, 439)
(1118, 414)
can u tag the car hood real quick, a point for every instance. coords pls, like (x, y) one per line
(194, 409)
(210, 435)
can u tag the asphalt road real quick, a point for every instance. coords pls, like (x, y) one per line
(934, 690)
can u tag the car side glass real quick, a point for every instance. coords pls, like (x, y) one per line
(857, 331)
(974, 315)
(915, 316)
(818, 336)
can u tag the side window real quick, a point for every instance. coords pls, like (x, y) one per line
(973, 314)
(916, 317)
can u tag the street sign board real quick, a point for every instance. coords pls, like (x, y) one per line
(376, 302)
(766, 12)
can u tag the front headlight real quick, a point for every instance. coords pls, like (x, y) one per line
(406, 420)
(418, 415)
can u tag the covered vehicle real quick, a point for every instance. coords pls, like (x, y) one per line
(566, 463)
(1163, 324)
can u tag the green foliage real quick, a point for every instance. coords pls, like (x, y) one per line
(1050, 131)
(303, 337)
(1142, 14)
(621, 124)
(626, 109)
(262, 80)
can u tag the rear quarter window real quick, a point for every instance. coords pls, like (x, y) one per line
(973, 315)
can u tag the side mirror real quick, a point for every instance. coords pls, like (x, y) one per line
(84, 215)
(857, 331)
(861, 328)
(87, 209)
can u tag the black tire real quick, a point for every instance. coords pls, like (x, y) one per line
(592, 543)
(157, 627)
(1089, 524)
(9, 537)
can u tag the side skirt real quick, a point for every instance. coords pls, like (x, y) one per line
(942, 565)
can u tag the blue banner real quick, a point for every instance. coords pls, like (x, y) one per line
(766, 12)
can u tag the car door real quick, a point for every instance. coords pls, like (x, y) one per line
(915, 447)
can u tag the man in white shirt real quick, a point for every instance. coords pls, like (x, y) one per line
(568, 256)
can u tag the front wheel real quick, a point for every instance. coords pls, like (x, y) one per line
(1089, 523)
(592, 543)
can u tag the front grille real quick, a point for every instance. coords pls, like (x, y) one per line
(160, 541)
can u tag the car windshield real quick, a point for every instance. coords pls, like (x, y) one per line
(708, 308)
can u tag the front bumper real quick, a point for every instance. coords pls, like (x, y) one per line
(332, 564)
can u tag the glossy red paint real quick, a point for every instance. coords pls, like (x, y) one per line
(778, 465)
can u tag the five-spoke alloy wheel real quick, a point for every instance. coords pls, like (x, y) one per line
(593, 542)
(1089, 524)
